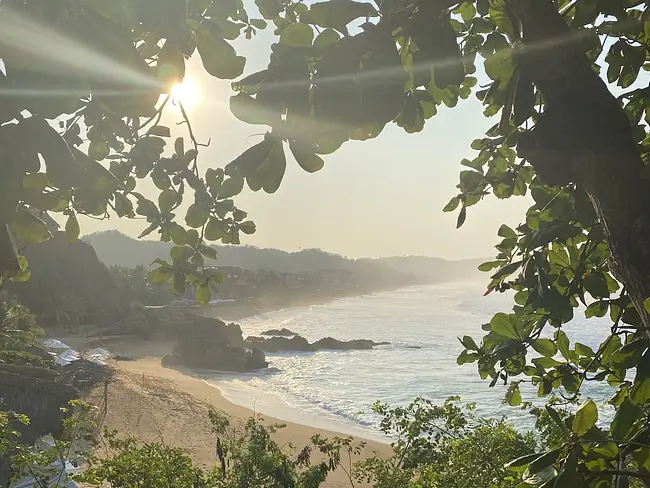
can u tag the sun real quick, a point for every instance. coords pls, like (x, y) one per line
(186, 93)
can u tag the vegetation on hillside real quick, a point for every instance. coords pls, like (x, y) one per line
(80, 133)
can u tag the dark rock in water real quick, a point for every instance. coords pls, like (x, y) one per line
(277, 344)
(283, 332)
(205, 353)
(299, 343)
(335, 344)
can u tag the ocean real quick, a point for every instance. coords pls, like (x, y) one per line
(335, 390)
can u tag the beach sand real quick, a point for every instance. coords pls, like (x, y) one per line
(154, 403)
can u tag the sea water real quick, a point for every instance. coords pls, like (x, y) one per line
(335, 389)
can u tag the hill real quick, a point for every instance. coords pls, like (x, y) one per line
(115, 248)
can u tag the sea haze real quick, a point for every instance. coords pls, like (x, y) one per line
(329, 389)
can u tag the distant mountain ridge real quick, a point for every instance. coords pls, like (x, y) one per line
(115, 248)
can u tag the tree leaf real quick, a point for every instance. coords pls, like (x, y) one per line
(219, 58)
(166, 200)
(297, 35)
(196, 216)
(160, 130)
(506, 326)
(326, 38)
(500, 66)
(214, 230)
(202, 293)
(247, 227)
(461, 217)
(230, 187)
(451, 205)
(585, 418)
(307, 159)
(72, 229)
(277, 165)
(98, 149)
(249, 110)
(27, 227)
(338, 13)
(505, 231)
(545, 347)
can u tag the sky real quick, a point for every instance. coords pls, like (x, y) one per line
(382, 197)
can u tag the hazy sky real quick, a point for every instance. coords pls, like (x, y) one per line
(375, 198)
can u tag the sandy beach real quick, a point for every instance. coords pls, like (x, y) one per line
(161, 404)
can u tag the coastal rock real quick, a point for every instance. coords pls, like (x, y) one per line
(278, 344)
(299, 343)
(355, 344)
(206, 353)
(283, 332)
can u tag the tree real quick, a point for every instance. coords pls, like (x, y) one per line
(18, 331)
(342, 70)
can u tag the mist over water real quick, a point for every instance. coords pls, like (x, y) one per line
(329, 388)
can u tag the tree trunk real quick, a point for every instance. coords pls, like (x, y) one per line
(585, 138)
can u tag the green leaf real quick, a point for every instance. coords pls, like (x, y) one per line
(98, 150)
(72, 229)
(562, 341)
(462, 215)
(297, 35)
(545, 347)
(27, 227)
(505, 231)
(177, 234)
(161, 274)
(468, 343)
(219, 58)
(596, 285)
(513, 395)
(585, 418)
(326, 39)
(258, 23)
(467, 11)
(626, 416)
(500, 66)
(196, 216)
(179, 147)
(307, 159)
(249, 110)
(147, 208)
(583, 350)
(506, 326)
(179, 283)
(544, 461)
(277, 165)
(231, 187)
(338, 13)
(490, 265)
(247, 227)
(214, 230)
(202, 294)
(522, 462)
(451, 205)
(166, 200)
(466, 357)
(159, 130)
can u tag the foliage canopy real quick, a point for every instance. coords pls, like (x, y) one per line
(80, 131)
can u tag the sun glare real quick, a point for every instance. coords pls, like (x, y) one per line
(186, 93)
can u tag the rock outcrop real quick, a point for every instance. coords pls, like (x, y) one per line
(204, 353)
(299, 343)
(278, 344)
(283, 332)
(335, 344)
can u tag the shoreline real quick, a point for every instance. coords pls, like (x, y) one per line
(156, 403)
